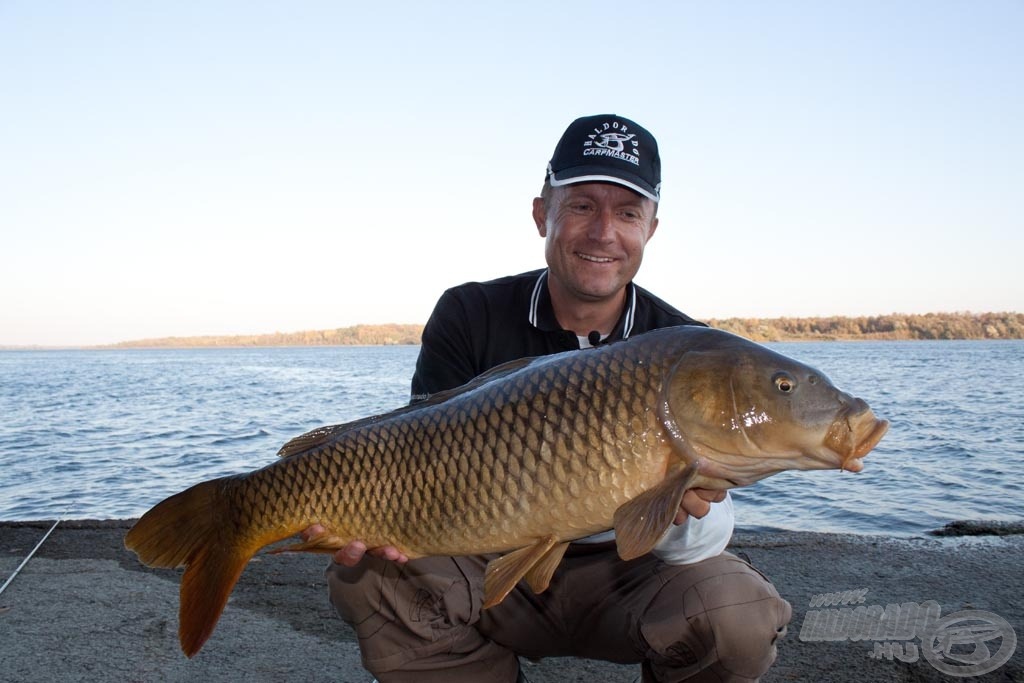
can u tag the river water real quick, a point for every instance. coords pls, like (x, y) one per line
(108, 433)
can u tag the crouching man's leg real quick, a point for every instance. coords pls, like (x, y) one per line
(715, 620)
(416, 622)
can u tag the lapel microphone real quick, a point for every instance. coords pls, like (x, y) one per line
(594, 338)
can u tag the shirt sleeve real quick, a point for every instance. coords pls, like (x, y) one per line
(698, 539)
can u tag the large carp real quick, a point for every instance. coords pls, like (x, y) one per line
(520, 461)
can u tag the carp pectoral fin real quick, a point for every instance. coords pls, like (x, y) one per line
(502, 574)
(539, 576)
(640, 523)
(321, 543)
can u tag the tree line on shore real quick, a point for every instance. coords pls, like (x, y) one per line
(896, 326)
(357, 335)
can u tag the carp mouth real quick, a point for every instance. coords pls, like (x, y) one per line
(853, 434)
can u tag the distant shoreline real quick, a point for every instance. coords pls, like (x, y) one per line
(891, 327)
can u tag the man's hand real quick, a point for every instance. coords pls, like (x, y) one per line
(351, 554)
(697, 503)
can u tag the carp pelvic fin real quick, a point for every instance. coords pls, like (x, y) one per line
(640, 523)
(539, 577)
(191, 529)
(502, 574)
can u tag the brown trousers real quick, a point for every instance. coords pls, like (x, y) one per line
(715, 620)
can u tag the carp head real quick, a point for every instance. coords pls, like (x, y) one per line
(746, 412)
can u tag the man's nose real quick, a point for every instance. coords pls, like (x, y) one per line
(602, 228)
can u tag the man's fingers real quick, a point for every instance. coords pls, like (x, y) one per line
(710, 495)
(351, 554)
(697, 503)
(389, 552)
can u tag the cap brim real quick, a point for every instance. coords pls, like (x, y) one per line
(595, 174)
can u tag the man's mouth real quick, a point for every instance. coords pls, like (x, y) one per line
(595, 259)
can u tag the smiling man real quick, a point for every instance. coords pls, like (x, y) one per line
(686, 611)
(595, 238)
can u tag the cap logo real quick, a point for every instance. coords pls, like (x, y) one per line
(609, 140)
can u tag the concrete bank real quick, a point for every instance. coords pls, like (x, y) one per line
(84, 609)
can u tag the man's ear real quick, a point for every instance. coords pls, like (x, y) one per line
(654, 226)
(540, 216)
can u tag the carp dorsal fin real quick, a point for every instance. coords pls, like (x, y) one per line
(502, 574)
(483, 378)
(323, 435)
(640, 523)
(310, 440)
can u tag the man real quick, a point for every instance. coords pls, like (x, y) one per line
(688, 610)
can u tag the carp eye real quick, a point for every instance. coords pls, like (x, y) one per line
(784, 382)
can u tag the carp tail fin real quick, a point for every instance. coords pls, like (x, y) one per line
(191, 529)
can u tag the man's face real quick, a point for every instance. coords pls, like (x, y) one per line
(595, 236)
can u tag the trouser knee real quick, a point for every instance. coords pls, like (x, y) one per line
(723, 619)
(416, 622)
(421, 594)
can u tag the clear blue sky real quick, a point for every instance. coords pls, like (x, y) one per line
(185, 168)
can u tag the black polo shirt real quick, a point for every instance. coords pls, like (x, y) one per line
(479, 325)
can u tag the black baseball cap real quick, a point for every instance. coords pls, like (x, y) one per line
(607, 148)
